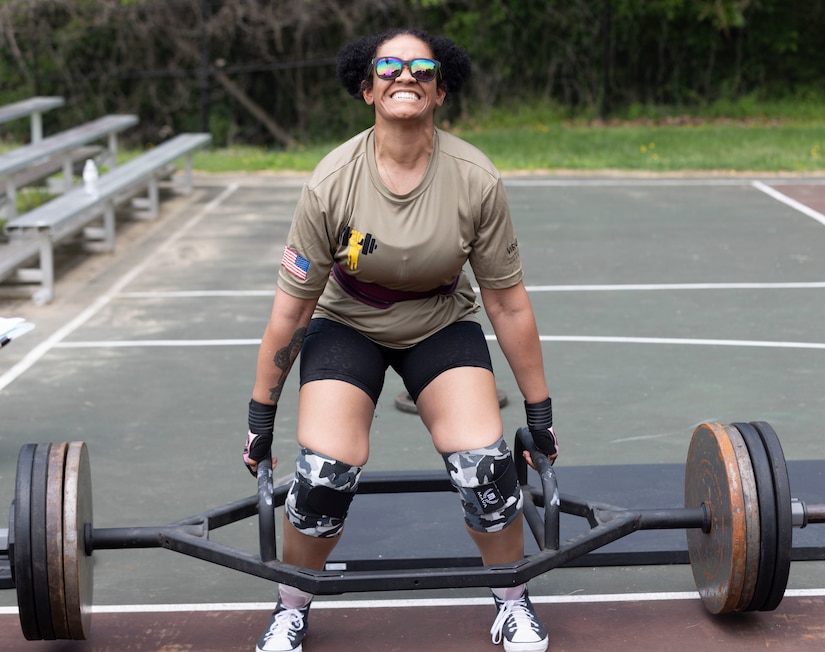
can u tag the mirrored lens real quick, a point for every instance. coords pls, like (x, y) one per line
(423, 69)
(390, 67)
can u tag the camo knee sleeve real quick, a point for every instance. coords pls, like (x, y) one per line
(320, 495)
(488, 484)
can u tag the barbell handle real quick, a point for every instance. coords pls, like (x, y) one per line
(549, 487)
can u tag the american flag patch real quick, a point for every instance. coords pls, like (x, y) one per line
(295, 263)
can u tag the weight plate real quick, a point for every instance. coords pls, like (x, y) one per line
(78, 571)
(784, 515)
(404, 402)
(40, 579)
(714, 477)
(22, 562)
(10, 541)
(767, 514)
(54, 540)
(752, 518)
(266, 512)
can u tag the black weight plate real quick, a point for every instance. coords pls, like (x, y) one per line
(784, 515)
(40, 577)
(22, 544)
(767, 514)
(11, 540)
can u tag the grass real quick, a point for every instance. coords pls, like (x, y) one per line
(657, 148)
(727, 137)
(745, 136)
(257, 159)
(707, 147)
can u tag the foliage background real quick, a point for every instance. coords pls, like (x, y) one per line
(260, 72)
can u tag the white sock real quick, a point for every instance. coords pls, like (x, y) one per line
(293, 598)
(510, 592)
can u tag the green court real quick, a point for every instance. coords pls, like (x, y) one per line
(662, 303)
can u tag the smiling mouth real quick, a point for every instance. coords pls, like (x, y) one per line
(405, 96)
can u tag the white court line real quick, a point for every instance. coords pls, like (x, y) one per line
(654, 181)
(646, 287)
(56, 340)
(680, 341)
(62, 333)
(125, 344)
(413, 603)
(129, 344)
(628, 287)
(673, 287)
(627, 183)
(622, 183)
(799, 206)
(195, 294)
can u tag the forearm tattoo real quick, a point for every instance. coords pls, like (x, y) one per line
(284, 358)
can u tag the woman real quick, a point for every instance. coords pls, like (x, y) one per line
(371, 277)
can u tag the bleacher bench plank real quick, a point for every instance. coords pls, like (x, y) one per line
(73, 211)
(15, 255)
(32, 108)
(61, 144)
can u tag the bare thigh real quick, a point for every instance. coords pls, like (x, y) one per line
(460, 409)
(334, 419)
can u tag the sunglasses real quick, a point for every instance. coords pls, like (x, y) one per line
(423, 70)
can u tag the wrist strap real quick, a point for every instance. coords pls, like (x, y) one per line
(261, 418)
(539, 415)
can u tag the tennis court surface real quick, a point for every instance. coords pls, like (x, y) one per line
(662, 304)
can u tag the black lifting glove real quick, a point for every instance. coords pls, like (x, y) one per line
(259, 437)
(540, 424)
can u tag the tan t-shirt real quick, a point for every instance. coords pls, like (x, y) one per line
(414, 242)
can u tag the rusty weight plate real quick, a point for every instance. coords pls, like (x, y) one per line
(54, 540)
(78, 572)
(725, 560)
(753, 522)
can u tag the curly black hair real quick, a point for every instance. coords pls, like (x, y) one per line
(354, 60)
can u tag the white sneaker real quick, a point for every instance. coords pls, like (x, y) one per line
(286, 630)
(517, 626)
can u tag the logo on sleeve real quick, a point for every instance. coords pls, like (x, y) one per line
(295, 263)
(489, 498)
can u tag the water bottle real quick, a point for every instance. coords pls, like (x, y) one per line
(90, 177)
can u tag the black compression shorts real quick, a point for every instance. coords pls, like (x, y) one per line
(334, 351)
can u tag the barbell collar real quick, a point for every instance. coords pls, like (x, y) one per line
(799, 513)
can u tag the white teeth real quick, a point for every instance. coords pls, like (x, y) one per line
(405, 96)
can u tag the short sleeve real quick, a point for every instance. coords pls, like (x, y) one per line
(495, 255)
(308, 254)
